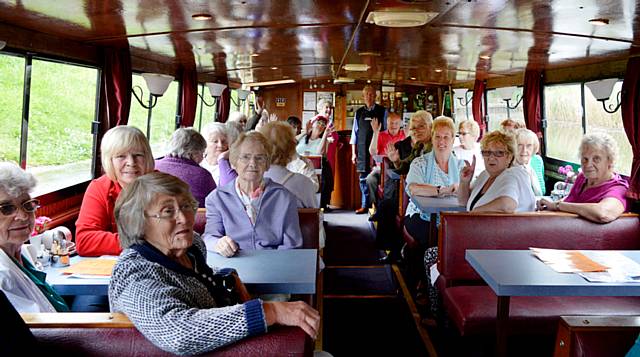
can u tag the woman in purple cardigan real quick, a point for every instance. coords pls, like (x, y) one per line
(186, 150)
(251, 212)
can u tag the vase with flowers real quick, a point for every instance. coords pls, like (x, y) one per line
(562, 188)
(40, 225)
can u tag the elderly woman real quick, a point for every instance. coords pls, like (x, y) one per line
(468, 132)
(163, 284)
(252, 212)
(528, 145)
(216, 136)
(403, 152)
(598, 193)
(511, 125)
(316, 142)
(24, 285)
(186, 151)
(239, 118)
(502, 187)
(125, 155)
(283, 142)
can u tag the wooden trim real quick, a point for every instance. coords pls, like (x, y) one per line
(77, 320)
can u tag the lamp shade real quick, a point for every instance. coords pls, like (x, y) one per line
(2, 44)
(602, 89)
(157, 83)
(243, 94)
(460, 92)
(216, 88)
(506, 92)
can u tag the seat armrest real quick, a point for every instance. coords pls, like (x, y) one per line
(77, 320)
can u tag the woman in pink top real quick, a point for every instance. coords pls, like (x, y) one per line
(598, 193)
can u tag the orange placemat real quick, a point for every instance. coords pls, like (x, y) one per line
(98, 266)
(585, 264)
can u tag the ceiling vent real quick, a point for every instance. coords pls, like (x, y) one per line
(400, 18)
(356, 67)
(343, 80)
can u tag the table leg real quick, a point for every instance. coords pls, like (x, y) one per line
(501, 325)
(433, 231)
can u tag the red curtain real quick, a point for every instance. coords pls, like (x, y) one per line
(189, 96)
(224, 105)
(531, 102)
(116, 87)
(631, 121)
(477, 104)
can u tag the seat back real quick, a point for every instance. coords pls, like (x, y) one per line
(596, 335)
(461, 231)
(310, 227)
(200, 220)
(105, 334)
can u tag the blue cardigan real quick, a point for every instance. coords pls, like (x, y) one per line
(277, 225)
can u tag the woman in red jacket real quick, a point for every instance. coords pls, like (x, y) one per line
(126, 155)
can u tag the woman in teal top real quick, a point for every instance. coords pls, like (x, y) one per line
(528, 146)
(23, 284)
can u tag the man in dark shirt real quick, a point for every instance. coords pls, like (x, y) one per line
(361, 135)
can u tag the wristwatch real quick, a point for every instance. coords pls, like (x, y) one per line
(438, 190)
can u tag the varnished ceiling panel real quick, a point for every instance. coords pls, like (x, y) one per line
(253, 40)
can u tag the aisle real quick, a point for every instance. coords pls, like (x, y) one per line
(365, 312)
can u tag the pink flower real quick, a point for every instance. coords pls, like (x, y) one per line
(41, 225)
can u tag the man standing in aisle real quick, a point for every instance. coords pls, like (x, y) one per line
(361, 135)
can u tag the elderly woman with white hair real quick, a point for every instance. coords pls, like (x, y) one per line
(126, 155)
(186, 151)
(239, 118)
(23, 284)
(599, 194)
(469, 148)
(527, 156)
(215, 157)
(163, 284)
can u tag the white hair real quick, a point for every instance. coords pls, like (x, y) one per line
(14, 181)
(214, 128)
(186, 142)
(600, 140)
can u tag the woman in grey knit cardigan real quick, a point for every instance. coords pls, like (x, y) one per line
(163, 284)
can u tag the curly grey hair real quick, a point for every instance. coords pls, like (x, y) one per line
(323, 103)
(186, 143)
(135, 199)
(526, 135)
(602, 141)
(14, 181)
(214, 128)
(234, 129)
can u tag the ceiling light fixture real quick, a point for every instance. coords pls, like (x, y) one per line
(341, 80)
(255, 54)
(413, 78)
(2, 44)
(438, 70)
(202, 17)
(269, 83)
(274, 68)
(602, 91)
(485, 57)
(370, 53)
(400, 18)
(356, 67)
(599, 21)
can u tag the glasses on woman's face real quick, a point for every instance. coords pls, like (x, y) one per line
(496, 153)
(258, 159)
(171, 212)
(418, 127)
(9, 209)
(463, 133)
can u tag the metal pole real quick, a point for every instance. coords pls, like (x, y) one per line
(149, 117)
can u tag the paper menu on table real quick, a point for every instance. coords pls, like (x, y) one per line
(568, 261)
(622, 269)
(92, 267)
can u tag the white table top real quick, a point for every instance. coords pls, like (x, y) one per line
(291, 271)
(519, 273)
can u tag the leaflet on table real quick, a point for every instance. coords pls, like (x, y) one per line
(92, 268)
(622, 269)
(567, 261)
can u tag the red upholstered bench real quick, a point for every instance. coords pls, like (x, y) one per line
(471, 305)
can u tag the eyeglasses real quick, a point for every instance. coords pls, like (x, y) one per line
(9, 209)
(497, 153)
(258, 159)
(417, 127)
(171, 212)
(462, 133)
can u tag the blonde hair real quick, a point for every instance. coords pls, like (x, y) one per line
(472, 126)
(500, 137)
(422, 114)
(120, 139)
(281, 136)
(445, 122)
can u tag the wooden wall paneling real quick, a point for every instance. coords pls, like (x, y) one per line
(293, 102)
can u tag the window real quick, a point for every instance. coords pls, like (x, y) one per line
(204, 114)
(563, 111)
(498, 111)
(11, 85)
(61, 110)
(597, 120)
(461, 111)
(163, 115)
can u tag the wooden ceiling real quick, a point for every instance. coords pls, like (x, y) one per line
(256, 40)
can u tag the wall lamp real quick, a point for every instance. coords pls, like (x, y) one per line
(2, 44)
(157, 85)
(506, 93)
(242, 96)
(215, 89)
(602, 91)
